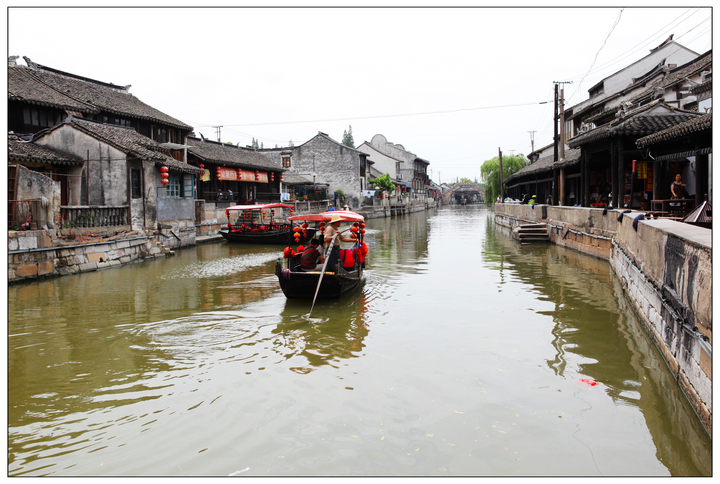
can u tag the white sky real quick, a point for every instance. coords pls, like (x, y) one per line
(452, 85)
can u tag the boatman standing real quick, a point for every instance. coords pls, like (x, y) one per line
(333, 227)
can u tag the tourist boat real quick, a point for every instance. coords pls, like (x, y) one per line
(258, 224)
(334, 281)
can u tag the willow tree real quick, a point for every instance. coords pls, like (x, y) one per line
(490, 172)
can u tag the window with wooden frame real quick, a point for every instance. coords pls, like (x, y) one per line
(174, 185)
(136, 183)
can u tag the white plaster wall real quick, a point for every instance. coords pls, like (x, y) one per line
(383, 163)
(107, 168)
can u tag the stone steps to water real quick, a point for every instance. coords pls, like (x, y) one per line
(532, 233)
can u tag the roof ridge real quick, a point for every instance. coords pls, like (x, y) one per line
(35, 66)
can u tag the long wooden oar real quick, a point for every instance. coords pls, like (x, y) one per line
(322, 272)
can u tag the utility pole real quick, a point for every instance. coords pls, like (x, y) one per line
(217, 130)
(559, 152)
(556, 189)
(502, 182)
(532, 140)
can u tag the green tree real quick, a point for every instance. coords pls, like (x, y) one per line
(347, 138)
(383, 182)
(490, 172)
(466, 180)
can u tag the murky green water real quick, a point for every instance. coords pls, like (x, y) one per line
(462, 354)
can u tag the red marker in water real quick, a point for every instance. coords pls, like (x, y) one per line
(589, 381)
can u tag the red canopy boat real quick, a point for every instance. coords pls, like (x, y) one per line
(258, 224)
(295, 282)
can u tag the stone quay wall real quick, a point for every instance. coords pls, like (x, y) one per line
(36, 254)
(665, 268)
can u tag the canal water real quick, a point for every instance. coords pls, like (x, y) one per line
(462, 354)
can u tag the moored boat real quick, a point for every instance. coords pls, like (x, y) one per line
(259, 224)
(334, 281)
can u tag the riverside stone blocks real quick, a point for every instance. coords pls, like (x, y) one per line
(27, 270)
(27, 243)
(97, 257)
(45, 268)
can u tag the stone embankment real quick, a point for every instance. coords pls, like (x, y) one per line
(39, 253)
(665, 268)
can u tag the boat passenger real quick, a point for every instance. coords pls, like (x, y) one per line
(333, 227)
(312, 259)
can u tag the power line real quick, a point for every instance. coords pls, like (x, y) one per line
(385, 115)
(652, 41)
(598, 52)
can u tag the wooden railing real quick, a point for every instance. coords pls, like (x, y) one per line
(92, 216)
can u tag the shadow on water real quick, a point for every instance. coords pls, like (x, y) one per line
(593, 320)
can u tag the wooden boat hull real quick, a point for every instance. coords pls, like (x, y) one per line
(284, 236)
(302, 285)
(274, 237)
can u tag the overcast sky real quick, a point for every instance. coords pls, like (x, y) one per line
(452, 85)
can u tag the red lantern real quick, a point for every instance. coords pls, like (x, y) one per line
(257, 175)
(300, 248)
(272, 176)
(281, 177)
(164, 175)
(291, 211)
(165, 181)
(362, 226)
(296, 229)
(201, 166)
(164, 169)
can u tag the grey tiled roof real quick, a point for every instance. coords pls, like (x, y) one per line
(48, 87)
(230, 155)
(28, 151)
(25, 87)
(697, 124)
(638, 123)
(697, 65)
(128, 141)
(546, 163)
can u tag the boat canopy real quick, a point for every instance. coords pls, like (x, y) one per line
(345, 216)
(259, 207)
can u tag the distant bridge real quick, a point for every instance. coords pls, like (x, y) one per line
(470, 191)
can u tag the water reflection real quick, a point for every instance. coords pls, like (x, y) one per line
(461, 354)
(336, 331)
(594, 322)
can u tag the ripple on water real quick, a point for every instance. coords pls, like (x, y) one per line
(220, 267)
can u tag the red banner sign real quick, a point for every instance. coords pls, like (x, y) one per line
(241, 175)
